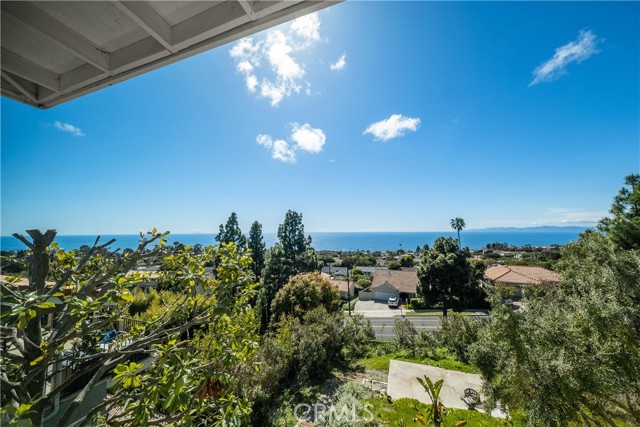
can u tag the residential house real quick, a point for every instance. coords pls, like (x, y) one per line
(402, 284)
(519, 277)
(346, 288)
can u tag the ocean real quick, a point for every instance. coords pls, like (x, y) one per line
(345, 241)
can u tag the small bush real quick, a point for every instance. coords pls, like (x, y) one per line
(418, 303)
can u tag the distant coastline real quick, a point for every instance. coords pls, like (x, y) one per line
(351, 241)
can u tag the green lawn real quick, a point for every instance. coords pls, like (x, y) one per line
(381, 363)
(402, 412)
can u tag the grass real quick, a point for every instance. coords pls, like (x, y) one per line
(381, 363)
(401, 412)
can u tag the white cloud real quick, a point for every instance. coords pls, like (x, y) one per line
(283, 152)
(245, 67)
(575, 51)
(264, 140)
(252, 83)
(279, 148)
(393, 127)
(574, 216)
(66, 127)
(307, 27)
(285, 72)
(340, 63)
(308, 138)
(305, 137)
(245, 48)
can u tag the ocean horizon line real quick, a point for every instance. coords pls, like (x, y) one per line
(557, 228)
(346, 241)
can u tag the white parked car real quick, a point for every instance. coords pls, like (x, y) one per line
(392, 302)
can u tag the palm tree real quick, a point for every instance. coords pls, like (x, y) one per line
(458, 224)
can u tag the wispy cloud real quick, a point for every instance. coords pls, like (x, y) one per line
(279, 148)
(393, 127)
(304, 138)
(69, 128)
(573, 216)
(575, 51)
(340, 63)
(279, 49)
(307, 28)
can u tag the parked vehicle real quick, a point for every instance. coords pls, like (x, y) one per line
(392, 302)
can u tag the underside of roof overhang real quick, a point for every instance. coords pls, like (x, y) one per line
(55, 51)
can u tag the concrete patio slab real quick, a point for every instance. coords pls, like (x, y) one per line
(402, 382)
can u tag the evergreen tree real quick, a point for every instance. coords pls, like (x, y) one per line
(445, 275)
(257, 247)
(231, 233)
(624, 227)
(292, 255)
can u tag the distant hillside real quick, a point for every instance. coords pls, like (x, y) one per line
(538, 229)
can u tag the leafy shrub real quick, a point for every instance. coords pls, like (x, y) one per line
(406, 334)
(418, 303)
(347, 403)
(357, 335)
(394, 265)
(458, 334)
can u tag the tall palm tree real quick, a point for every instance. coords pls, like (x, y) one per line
(458, 224)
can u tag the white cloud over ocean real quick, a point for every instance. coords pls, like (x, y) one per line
(394, 127)
(303, 138)
(576, 51)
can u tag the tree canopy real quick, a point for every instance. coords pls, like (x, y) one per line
(89, 295)
(302, 294)
(458, 224)
(446, 277)
(257, 247)
(573, 355)
(291, 255)
(624, 226)
(231, 233)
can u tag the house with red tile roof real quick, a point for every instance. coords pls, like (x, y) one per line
(521, 276)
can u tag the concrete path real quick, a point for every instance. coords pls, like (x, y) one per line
(402, 382)
(375, 309)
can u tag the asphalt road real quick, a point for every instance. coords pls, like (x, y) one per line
(384, 326)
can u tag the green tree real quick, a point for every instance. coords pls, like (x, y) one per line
(458, 224)
(574, 354)
(445, 275)
(89, 294)
(406, 261)
(302, 294)
(231, 233)
(257, 247)
(292, 255)
(394, 265)
(624, 227)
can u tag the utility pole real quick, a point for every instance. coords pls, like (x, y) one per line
(348, 292)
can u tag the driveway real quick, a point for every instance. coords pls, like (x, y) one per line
(402, 382)
(375, 309)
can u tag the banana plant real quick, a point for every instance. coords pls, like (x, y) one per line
(434, 414)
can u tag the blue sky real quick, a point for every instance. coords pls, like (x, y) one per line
(506, 114)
